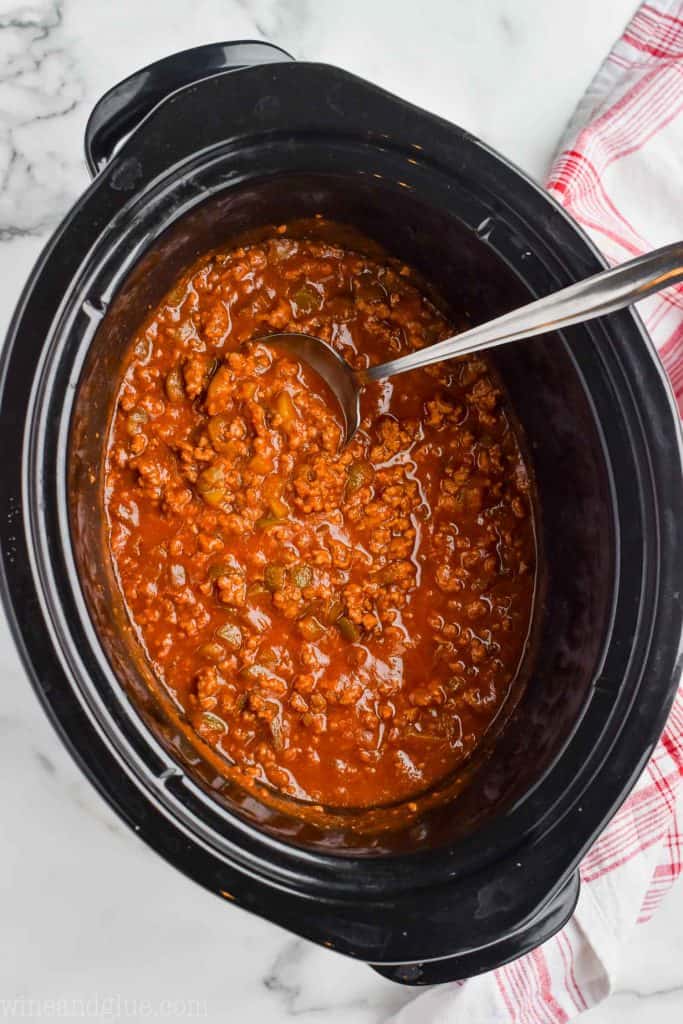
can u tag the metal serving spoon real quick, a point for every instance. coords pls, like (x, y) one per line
(603, 293)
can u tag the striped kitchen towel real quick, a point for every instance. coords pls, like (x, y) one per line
(619, 173)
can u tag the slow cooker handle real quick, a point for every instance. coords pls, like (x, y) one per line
(123, 107)
(509, 947)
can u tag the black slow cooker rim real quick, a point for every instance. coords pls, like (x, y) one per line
(24, 585)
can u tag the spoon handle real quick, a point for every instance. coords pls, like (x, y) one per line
(603, 293)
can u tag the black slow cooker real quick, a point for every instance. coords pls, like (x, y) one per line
(186, 155)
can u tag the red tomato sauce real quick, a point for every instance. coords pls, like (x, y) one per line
(340, 623)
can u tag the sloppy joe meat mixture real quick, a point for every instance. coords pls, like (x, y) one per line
(341, 623)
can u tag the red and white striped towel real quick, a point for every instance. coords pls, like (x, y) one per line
(619, 174)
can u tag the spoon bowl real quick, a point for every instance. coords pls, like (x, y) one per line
(344, 382)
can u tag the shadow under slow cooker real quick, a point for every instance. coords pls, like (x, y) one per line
(467, 260)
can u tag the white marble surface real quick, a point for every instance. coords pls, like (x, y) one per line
(88, 912)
